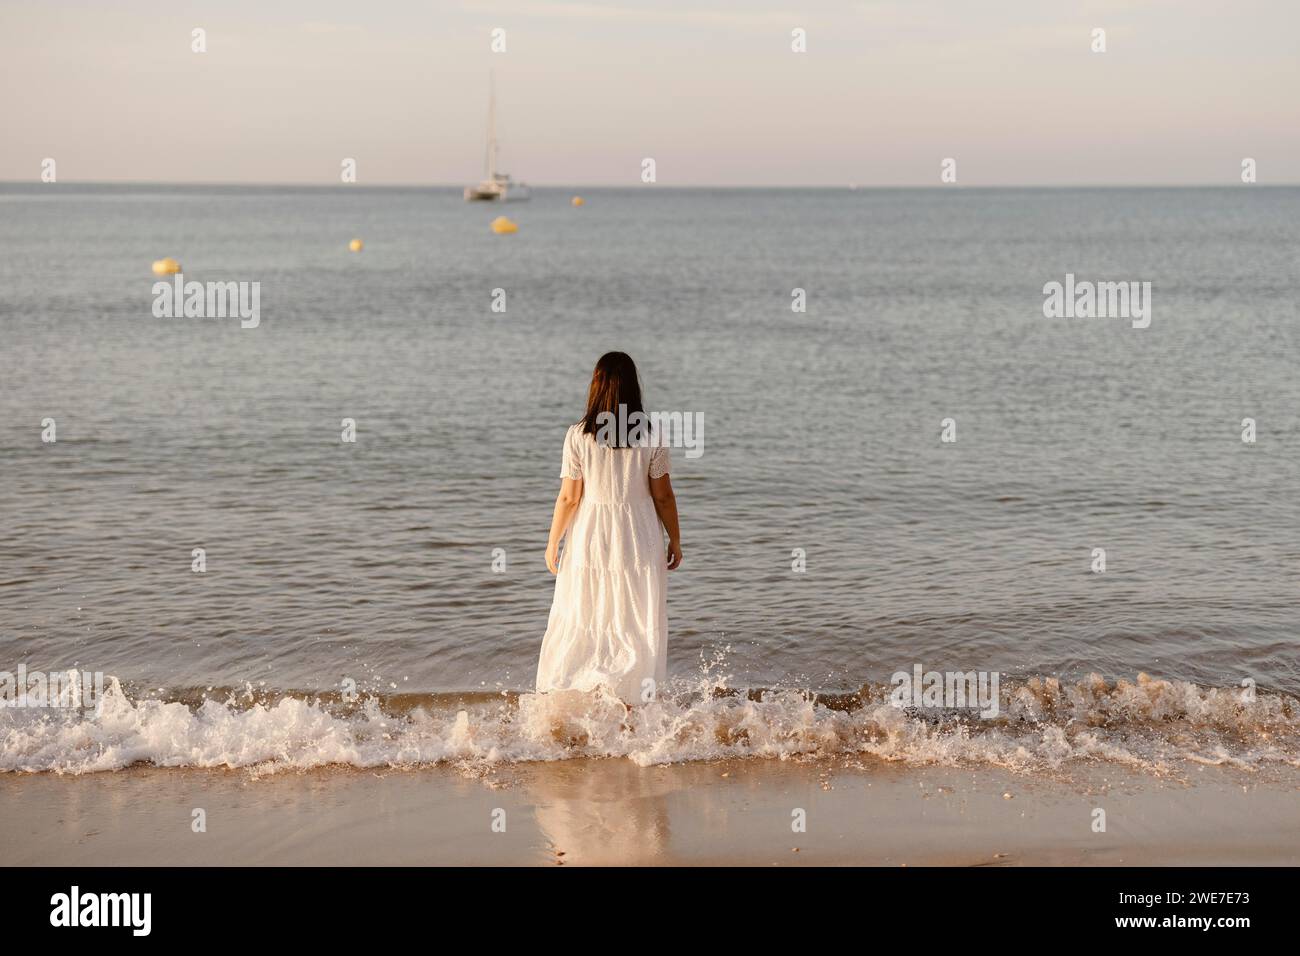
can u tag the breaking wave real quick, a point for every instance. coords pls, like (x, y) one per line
(1154, 725)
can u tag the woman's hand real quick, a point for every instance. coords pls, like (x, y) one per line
(674, 555)
(553, 558)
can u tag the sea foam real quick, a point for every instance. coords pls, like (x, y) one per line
(1158, 726)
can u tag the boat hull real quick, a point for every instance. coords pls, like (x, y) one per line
(497, 192)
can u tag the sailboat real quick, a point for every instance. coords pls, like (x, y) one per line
(496, 187)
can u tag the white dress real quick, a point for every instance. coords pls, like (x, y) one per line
(609, 620)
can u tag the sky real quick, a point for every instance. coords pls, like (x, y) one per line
(711, 90)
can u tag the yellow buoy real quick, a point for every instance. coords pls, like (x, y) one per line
(166, 267)
(356, 245)
(502, 225)
(578, 200)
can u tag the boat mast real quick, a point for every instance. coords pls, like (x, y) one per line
(492, 127)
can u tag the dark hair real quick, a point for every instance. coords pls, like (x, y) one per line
(614, 382)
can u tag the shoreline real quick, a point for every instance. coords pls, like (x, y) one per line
(609, 811)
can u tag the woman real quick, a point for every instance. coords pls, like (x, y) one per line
(609, 620)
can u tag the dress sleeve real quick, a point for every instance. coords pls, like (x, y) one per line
(660, 461)
(571, 466)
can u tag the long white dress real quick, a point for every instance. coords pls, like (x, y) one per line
(609, 619)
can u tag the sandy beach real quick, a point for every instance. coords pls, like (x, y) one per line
(612, 812)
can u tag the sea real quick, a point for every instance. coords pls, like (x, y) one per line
(910, 464)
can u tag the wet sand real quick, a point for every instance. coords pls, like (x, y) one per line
(612, 812)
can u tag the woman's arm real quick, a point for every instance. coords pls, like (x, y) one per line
(566, 506)
(661, 490)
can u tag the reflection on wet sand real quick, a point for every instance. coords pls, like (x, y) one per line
(616, 815)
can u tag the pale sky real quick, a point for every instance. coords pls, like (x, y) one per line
(710, 89)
